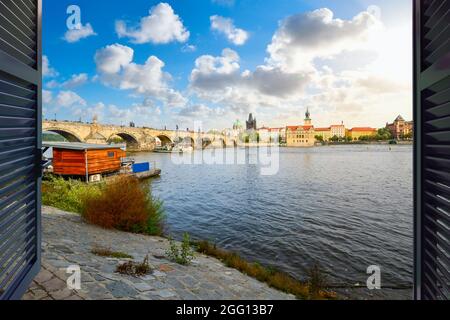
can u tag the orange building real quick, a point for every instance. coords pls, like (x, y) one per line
(81, 159)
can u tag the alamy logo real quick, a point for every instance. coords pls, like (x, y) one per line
(374, 281)
(74, 20)
(74, 280)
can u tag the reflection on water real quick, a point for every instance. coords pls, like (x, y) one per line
(346, 207)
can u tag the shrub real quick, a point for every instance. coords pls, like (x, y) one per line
(125, 204)
(132, 268)
(68, 195)
(182, 254)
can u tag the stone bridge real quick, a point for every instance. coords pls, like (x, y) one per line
(137, 139)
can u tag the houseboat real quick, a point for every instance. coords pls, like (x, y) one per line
(93, 161)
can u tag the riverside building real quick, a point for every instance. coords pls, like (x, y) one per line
(301, 136)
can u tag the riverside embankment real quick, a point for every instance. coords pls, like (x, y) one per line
(68, 241)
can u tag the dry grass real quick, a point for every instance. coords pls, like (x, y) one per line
(274, 278)
(132, 268)
(103, 252)
(125, 204)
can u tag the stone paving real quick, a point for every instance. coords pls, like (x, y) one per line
(68, 241)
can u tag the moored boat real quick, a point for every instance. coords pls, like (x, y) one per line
(174, 149)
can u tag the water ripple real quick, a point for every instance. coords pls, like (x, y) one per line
(344, 207)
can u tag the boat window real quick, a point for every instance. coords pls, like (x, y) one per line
(111, 154)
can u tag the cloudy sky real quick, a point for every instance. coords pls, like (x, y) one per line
(175, 62)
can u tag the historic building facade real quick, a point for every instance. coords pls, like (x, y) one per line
(338, 130)
(356, 133)
(401, 129)
(324, 133)
(301, 136)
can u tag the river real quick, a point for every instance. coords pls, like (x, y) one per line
(344, 207)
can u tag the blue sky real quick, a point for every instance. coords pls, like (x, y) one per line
(199, 81)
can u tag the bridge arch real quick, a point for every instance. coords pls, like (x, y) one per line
(221, 142)
(189, 141)
(131, 141)
(206, 142)
(165, 140)
(68, 135)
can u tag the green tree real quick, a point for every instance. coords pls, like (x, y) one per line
(384, 134)
(280, 139)
(335, 139)
(407, 136)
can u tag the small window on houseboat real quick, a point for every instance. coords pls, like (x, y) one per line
(111, 154)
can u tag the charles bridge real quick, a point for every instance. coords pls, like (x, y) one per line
(136, 138)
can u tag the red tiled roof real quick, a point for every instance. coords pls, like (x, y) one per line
(295, 128)
(323, 129)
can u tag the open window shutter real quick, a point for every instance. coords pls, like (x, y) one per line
(20, 144)
(432, 113)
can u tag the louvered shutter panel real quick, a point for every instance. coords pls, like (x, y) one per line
(20, 145)
(432, 113)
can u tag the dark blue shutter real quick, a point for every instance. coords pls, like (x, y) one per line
(20, 144)
(432, 167)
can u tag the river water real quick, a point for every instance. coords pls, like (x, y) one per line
(344, 207)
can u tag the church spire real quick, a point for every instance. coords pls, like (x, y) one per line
(308, 120)
(307, 114)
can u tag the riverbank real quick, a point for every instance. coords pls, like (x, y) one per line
(67, 241)
(326, 144)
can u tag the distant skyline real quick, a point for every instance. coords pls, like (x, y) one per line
(175, 62)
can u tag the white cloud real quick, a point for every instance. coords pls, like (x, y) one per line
(226, 26)
(161, 26)
(116, 69)
(97, 110)
(113, 58)
(188, 48)
(75, 35)
(47, 70)
(221, 78)
(200, 112)
(52, 84)
(140, 114)
(340, 69)
(307, 36)
(75, 81)
(47, 97)
(69, 99)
